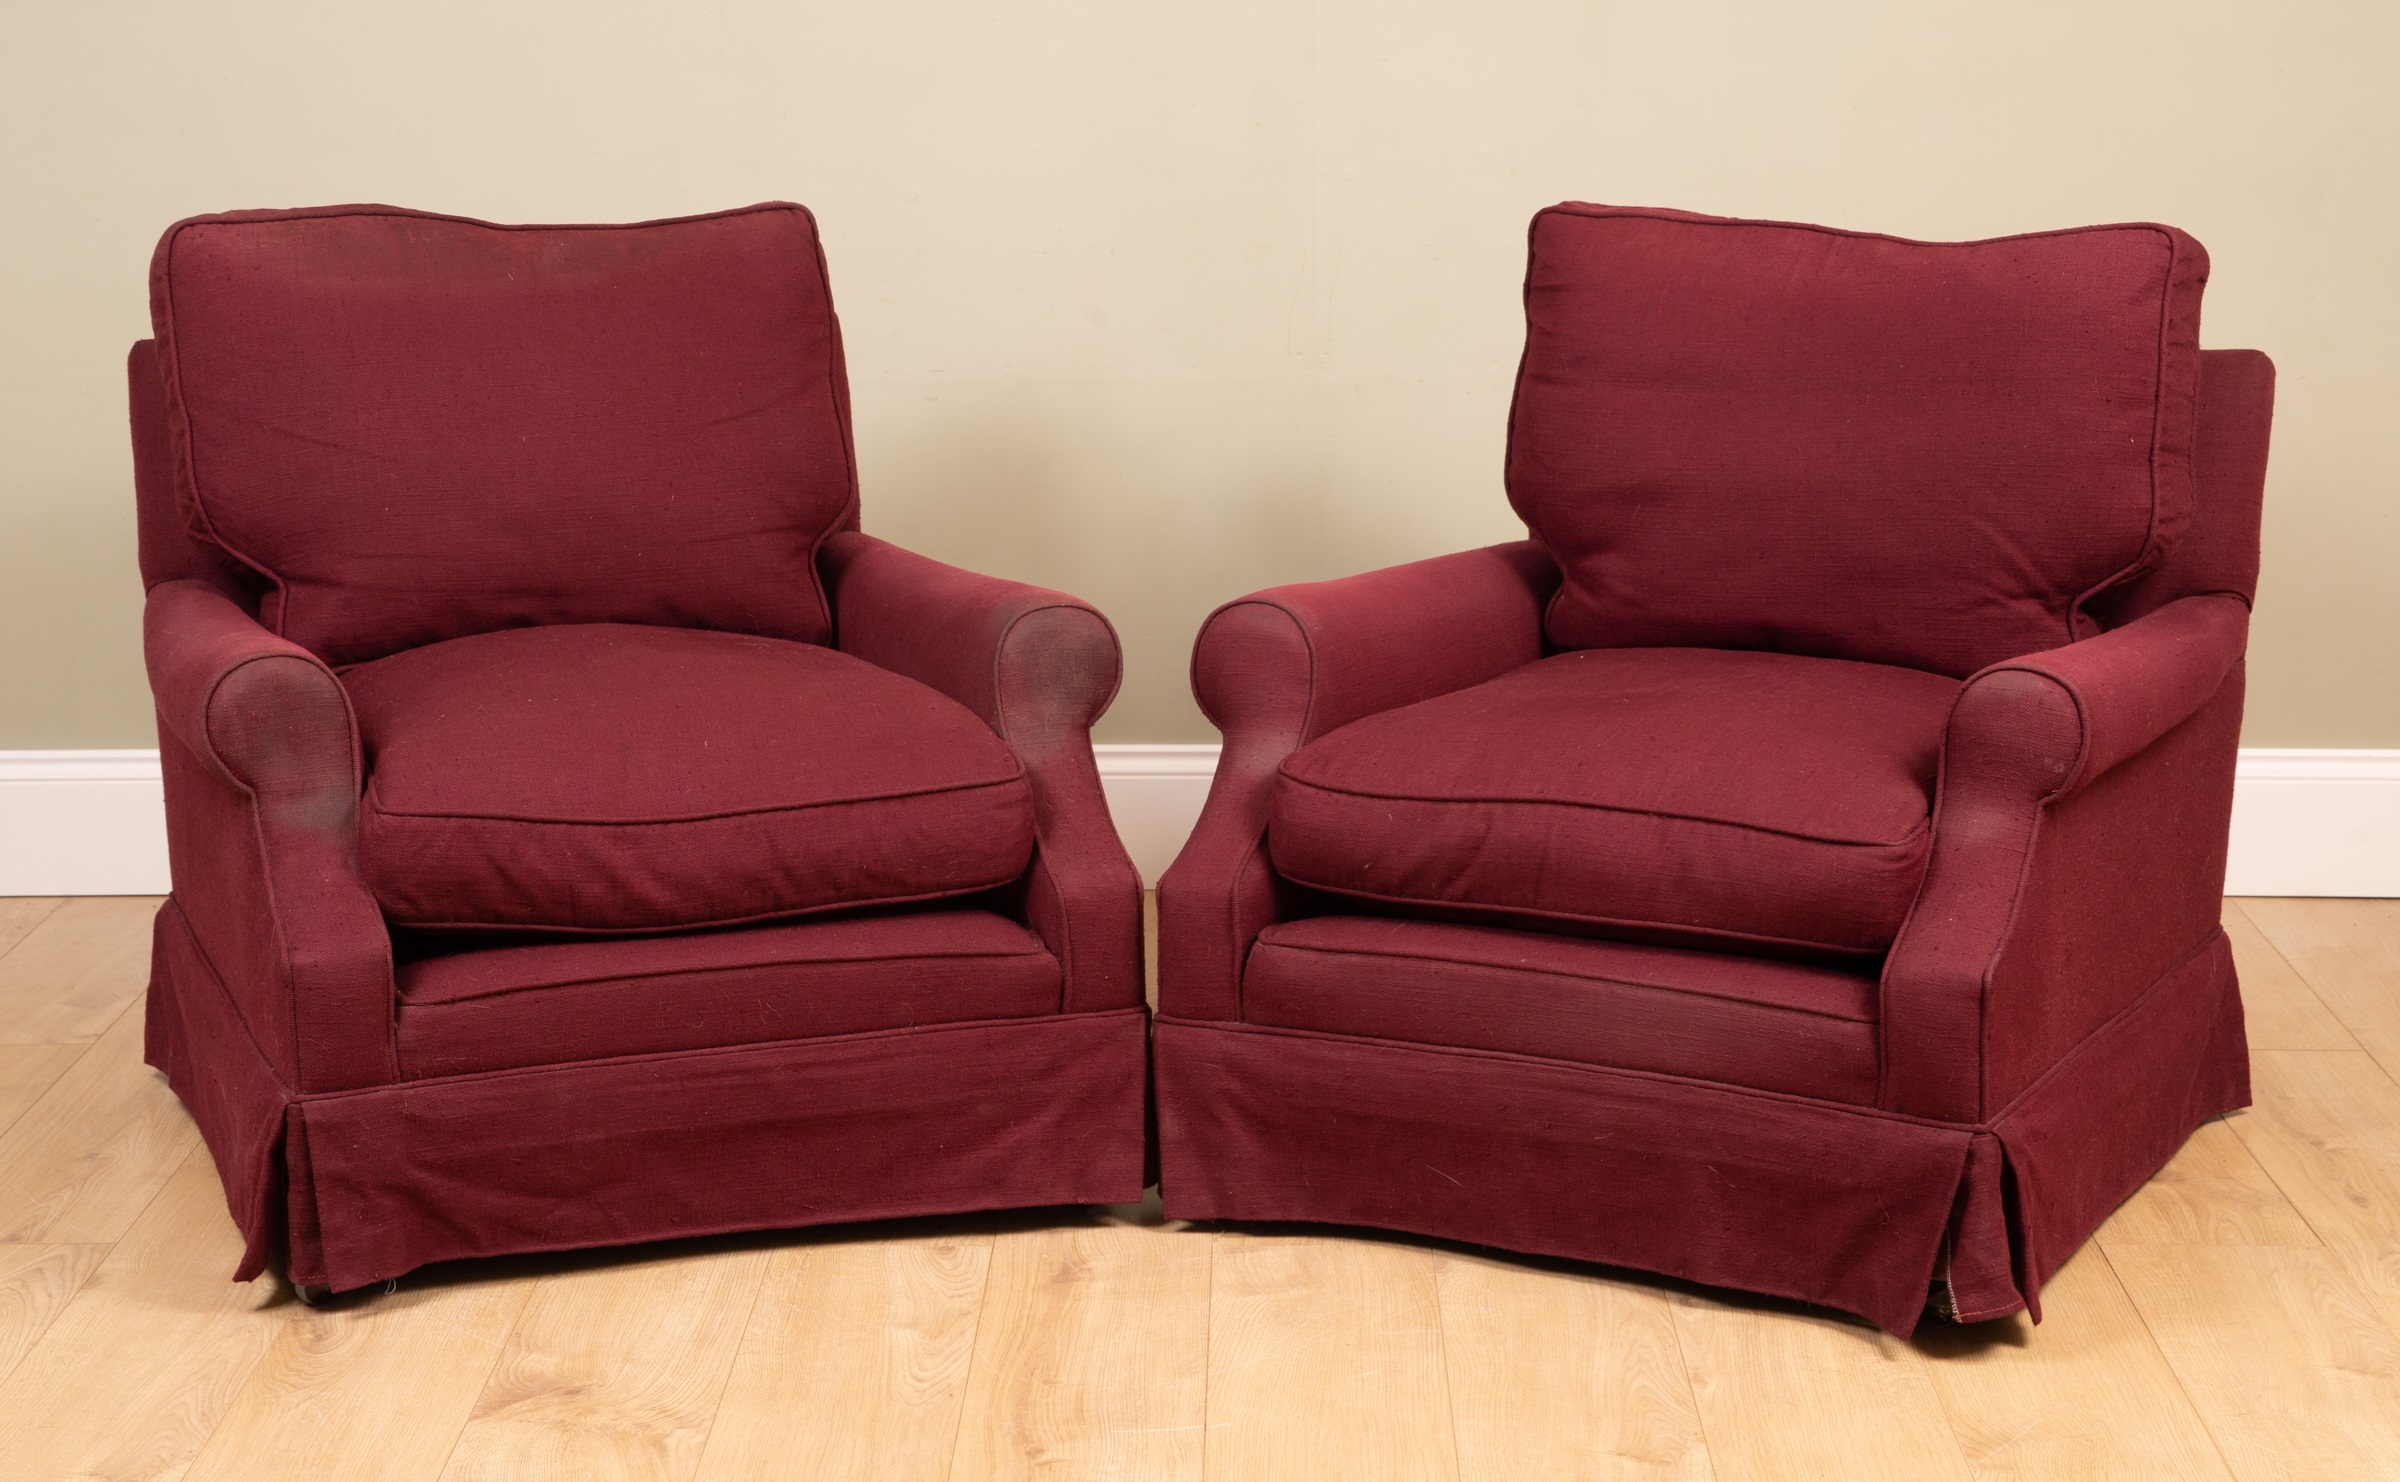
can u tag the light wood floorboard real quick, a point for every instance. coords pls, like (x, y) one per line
(2238, 1317)
(133, 1376)
(614, 1370)
(71, 976)
(1091, 1356)
(2282, 1011)
(1757, 1366)
(2348, 952)
(2212, 1193)
(95, 1148)
(19, 914)
(1558, 1372)
(2326, 1127)
(1325, 1360)
(2289, 1367)
(26, 1071)
(36, 1283)
(322, 1399)
(2087, 1395)
(854, 1368)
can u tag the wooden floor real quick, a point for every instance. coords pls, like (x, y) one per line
(2240, 1317)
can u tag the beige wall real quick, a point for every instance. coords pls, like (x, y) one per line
(1162, 303)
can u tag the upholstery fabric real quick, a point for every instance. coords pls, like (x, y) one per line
(1839, 1205)
(570, 510)
(2218, 555)
(1749, 434)
(2110, 1113)
(547, 1003)
(416, 427)
(2079, 850)
(195, 1036)
(366, 1185)
(1792, 1197)
(2056, 1015)
(258, 751)
(1286, 666)
(1777, 1026)
(1038, 667)
(936, 1120)
(163, 543)
(1674, 794)
(607, 777)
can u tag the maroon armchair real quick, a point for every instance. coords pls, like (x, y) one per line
(581, 833)
(1796, 867)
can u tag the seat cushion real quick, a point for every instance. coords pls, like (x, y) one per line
(550, 1002)
(1803, 1028)
(417, 427)
(1755, 434)
(1667, 794)
(608, 778)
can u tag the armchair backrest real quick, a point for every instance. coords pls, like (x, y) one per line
(1743, 434)
(410, 427)
(2219, 551)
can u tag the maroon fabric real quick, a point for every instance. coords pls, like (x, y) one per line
(1835, 1205)
(874, 1126)
(552, 1002)
(359, 1187)
(260, 761)
(196, 1038)
(263, 781)
(1981, 1277)
(605, 777)
(164, 543)
(2127, 877)
(2017, 946)
(1669, 794)
(1783, 1195)
(2053, 1019)
(417, 427)
(507, 476)
(1286, 665)
(2219, 554)
(2114, 1110)
(1711, 1016)
(1747, 434)
(1039, 667)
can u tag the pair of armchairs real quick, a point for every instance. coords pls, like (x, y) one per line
(1795, 868)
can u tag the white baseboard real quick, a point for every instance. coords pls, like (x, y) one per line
(2315, 822)
(1154, 794)
(2304, 822)
(82, 823)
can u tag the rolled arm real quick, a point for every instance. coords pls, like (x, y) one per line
(2115, 694)
(1277, 669)
(1039, 667)
(262, 769)
(2077, 853)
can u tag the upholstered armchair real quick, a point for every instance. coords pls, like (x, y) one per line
(580, 832)
(1797, 866)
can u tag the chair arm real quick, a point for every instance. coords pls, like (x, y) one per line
(2117, 693)
(1279, 668)
(2077, 853)
(1039, 667)
(257, 708)
(261, 762)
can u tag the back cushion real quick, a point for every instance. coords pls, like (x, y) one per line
(417, 427)
(1748, 434)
